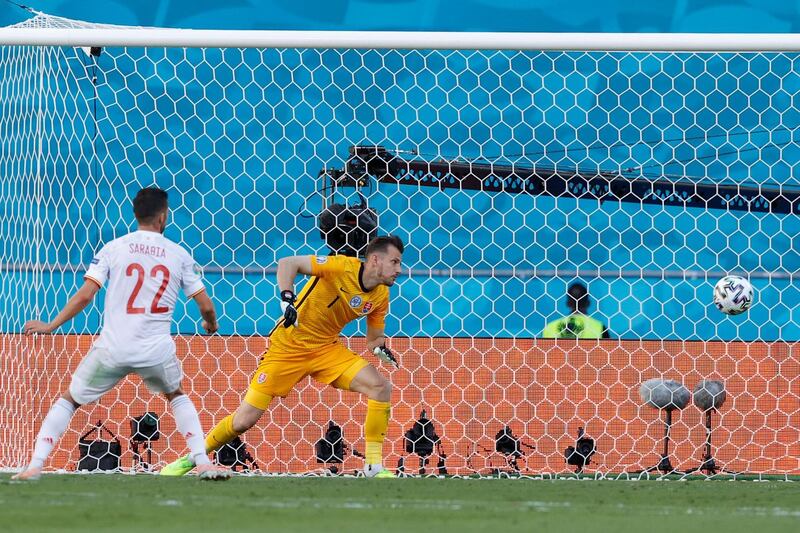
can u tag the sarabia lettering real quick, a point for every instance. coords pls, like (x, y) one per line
(147, 249)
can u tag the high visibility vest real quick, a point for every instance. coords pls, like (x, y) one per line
(575, 326)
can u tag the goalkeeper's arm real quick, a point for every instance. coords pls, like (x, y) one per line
(376, 343)
(288, 268)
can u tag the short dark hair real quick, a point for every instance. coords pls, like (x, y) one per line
(578, 296)
(380, 244)
(149, 203)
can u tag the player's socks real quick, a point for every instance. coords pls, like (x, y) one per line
(188, 424)
(374, 433)
(222, 434)
(53, 426)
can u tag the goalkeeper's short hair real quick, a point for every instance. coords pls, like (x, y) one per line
(382, 243)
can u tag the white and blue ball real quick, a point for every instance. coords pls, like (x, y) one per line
(733, 295)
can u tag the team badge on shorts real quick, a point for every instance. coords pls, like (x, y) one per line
(355, 302)
(262, 377)
(367, 308)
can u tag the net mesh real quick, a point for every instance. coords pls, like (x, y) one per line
(244, 140)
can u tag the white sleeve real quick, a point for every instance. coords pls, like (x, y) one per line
(191, 276)
(98, 268)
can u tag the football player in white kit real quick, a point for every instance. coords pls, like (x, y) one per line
(144, 271)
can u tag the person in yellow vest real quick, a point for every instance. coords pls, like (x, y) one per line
(576, 325)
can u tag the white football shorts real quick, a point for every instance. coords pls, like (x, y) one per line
(98, 373)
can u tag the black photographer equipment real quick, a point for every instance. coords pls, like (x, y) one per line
(347, 229)
(331, 449)
(144, 430)
(580, 455)
(234, 454)
(421, 440)
(510, 446)
(99, 454)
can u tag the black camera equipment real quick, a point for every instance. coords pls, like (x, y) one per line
(331, 449)
(421, 440)
(375, 163)
(99, 454)
(144, 430)
(234, 454)
(510, 446)
(580, 455)
(348, 229)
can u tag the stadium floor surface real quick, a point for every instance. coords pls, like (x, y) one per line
(142, 502)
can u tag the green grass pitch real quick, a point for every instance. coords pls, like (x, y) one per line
(149, 503)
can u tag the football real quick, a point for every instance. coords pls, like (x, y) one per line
(733, 295)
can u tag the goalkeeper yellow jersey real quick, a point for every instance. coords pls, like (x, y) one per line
(332, 297)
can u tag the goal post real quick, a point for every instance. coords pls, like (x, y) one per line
(643, 166)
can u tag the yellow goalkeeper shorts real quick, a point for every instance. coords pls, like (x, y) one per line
(278, 372)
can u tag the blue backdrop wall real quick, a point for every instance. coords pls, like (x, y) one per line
(241, 211)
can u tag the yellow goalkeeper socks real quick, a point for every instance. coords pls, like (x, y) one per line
(222, 434)
(375, 430)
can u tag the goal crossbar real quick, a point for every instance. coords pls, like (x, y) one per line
(183, 38)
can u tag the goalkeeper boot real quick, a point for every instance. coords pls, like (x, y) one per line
(213, 472)
(179, 467)
(29, 474)
(378, 471)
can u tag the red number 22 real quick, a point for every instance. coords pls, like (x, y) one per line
(138, 270)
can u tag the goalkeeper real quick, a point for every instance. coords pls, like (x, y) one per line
(305, 341)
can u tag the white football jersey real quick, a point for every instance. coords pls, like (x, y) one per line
(145, 271)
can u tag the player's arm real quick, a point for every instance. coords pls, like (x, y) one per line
(207, 311)
(193, 287)
(288, 269)
(375, 337)
(376, 343)
(75, 305)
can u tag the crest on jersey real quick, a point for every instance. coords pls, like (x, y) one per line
(355, 302)
(322, 259)
(262, 377)
(367, 308)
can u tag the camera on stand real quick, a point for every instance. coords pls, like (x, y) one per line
(421, 440)
(511, 446)
(580, 455)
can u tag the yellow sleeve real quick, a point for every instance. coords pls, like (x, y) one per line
(323, 266)
(377, 318)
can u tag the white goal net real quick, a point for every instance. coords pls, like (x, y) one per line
(511, 175)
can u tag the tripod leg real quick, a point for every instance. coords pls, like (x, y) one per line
(664, 465)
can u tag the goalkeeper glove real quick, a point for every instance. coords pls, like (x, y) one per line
(385, 354)
(288, 308)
